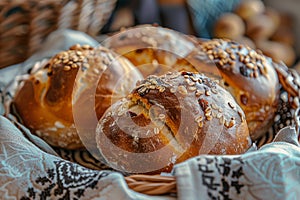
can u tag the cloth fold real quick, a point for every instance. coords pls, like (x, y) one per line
(26, 172)
(272, 172)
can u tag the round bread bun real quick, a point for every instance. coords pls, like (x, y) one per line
(230, 26)
(260, 27)
(284, 35)
(249, 8)
(157, 50)
(278, 51)
(250, 77)
(168, 119)
(274, 16)
(45, 100)
(153, 50)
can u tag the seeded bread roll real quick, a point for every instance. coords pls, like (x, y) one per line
(249, 8)
(230, 26)
(168, 119)
(278, 51)
(48, 98)
(250, 77)
(153, 50)
(260, 27)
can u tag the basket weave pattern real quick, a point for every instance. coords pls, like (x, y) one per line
(24, 24)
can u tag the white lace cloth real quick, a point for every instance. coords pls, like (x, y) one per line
(27, 172)
(30, 169)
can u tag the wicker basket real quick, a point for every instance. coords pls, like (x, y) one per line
(24, 24)
(166, 185)
(159, 185)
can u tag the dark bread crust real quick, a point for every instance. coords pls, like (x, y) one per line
(187, 114)
(250, 77)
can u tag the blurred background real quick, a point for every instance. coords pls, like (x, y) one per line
(269, 25)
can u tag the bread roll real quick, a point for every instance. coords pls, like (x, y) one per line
(230, 26)
(251, 79)
(168, 119)
(249, 8)
(284, 35)
(278, 51)
(153, 50)
(157, 50)
(260, 27)
(274, 16)
(45, 100)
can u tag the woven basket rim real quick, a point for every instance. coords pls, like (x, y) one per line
(25, 24)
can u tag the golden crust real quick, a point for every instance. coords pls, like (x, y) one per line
(187, 113)
(46, 100)
(153, 50)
